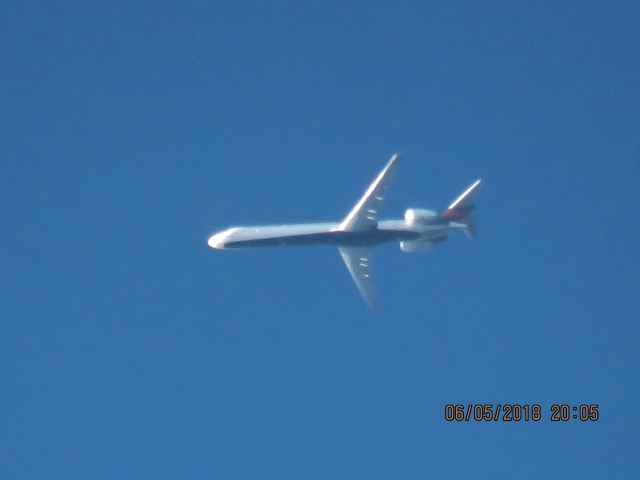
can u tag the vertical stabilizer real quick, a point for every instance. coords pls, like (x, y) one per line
(460, 208)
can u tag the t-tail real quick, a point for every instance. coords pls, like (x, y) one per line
(460, 209)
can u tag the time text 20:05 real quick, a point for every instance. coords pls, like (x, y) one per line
(526, 412)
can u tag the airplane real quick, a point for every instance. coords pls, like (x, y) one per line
(360, 231)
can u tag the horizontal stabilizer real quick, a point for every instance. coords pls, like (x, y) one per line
(461, 207)
(470, 227)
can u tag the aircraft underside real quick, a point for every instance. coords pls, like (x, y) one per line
(338, 238)
(360, 231)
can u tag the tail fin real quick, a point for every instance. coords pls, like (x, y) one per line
(460, 208)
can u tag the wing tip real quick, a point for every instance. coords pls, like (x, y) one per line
(372, 304)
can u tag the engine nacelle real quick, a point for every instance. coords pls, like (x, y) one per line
(411, 246)
(420, 216)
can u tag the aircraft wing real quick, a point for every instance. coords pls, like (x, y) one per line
(358, 261)
(365, 213)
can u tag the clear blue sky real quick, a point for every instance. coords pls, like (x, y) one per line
(130, 133)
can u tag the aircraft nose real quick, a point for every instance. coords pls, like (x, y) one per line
(220, 239)
(217, 240)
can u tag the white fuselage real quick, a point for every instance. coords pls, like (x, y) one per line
(360, 231)
(329, 233)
